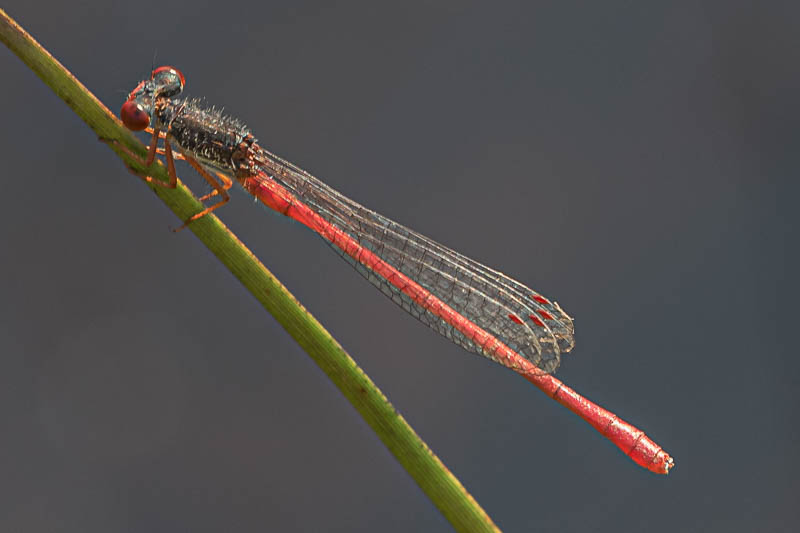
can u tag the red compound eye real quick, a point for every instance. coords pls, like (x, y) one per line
(167, 68)
(133, 116)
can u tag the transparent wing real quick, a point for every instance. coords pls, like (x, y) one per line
(528, 323)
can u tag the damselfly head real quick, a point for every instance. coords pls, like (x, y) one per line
(164, 82)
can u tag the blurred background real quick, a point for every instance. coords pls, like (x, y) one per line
(635, 161)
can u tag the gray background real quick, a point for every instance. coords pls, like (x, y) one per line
(635, 161)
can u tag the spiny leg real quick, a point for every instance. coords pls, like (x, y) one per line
(219, 188)
(151, 156)
(162, 135)
(227, 183)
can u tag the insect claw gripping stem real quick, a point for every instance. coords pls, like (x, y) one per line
(140, 161)
(476, 307)
(220, 187)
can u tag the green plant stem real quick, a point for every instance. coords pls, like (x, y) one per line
(440, 485)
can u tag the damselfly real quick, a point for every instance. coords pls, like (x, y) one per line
(478, 308)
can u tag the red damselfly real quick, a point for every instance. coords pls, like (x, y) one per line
(478, 308)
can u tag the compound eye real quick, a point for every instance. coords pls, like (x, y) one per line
(133, 116)
(171, 70)
(169, 81)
